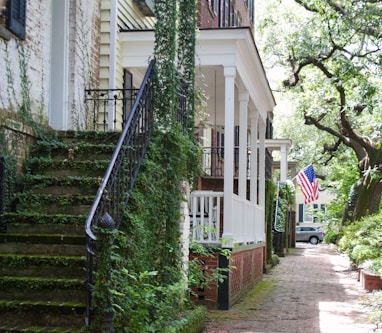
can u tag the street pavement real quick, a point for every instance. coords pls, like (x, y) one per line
(312, 290)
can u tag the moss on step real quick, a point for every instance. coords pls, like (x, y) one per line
(43, 239)
(41, 181)
(38, 329)
(41, 164)
(40, 283)
(13, 260)
(38, 306)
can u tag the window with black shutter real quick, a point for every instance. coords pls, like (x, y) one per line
(17, 17)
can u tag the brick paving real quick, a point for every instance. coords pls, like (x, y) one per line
(312, 290)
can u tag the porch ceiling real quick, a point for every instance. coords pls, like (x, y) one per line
(216, 49)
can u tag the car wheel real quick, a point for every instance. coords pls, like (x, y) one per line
(313, 240)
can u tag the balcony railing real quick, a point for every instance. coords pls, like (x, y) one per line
(213, 161)
(99, 103)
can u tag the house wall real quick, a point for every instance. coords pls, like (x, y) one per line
(28, 63)
(207, 18)
(207, 296)
(248, 270)
(25, 62)
(129, 17)
(84, 50)
(245, 269)
(117, 15)
(314, 212)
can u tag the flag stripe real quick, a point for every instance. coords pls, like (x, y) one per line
(307, 180)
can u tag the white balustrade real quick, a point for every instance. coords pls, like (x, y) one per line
(205, 209)
(205, 216)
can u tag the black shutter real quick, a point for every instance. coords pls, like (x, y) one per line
(300, 213)
(16, 17)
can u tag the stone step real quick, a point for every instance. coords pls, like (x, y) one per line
(54, 244)
(75, 185)
(53, 204)
(42, 289)
(95, 137)
(43, 247)
(35, 223)
(36, 329)
(19, 265)
(50, 167)
(28, 313)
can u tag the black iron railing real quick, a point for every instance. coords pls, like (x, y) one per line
(7, 184)
(118, 181)
(100, 103)
(2, 193)
(213, 161)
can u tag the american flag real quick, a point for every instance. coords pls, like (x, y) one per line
(307, 180)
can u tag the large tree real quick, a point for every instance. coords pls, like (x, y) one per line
(332, 52)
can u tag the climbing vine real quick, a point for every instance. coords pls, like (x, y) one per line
(270, 192)
(186, 56)
(148, 289)
(165, 55)
(285, 199)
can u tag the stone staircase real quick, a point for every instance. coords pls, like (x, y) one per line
(42, 253)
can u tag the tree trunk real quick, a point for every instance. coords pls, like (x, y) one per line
(368, 197)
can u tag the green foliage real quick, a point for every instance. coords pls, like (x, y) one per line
(374, 303)
(286, 198)
(165, 51)
(186, 56)
(331, 237)
(198, 277)
(275, 260)
(332, 77)
(270, 193)
(146, 290)
(142, 305)
(361, 241)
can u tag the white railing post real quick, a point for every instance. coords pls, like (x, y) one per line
(205, 216)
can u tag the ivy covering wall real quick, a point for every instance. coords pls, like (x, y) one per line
(149, 292)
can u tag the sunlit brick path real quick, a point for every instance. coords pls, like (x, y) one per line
(312, 290)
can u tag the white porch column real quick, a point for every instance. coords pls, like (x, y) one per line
(254, 156)
(243, 98)
(59, 71)
(283, 163)
(229, 122)
(262, 164)
(112, 61)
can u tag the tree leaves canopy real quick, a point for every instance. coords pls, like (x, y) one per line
(331, 50)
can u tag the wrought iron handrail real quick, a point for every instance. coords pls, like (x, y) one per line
(120, 176)
(99, 103)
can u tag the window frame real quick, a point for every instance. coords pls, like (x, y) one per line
(16, 17)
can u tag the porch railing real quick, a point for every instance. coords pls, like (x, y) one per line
(207, 226)
(249, 222)
(120, 176)
(205, 222)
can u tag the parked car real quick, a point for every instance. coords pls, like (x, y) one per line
(314, 235)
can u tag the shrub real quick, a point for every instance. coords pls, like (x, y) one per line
(361, 240)
(331, 237)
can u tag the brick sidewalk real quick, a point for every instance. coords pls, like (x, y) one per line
(312, 290)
